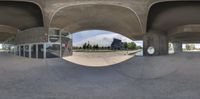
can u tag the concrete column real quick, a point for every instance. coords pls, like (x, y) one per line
(30, 50)
(14, 50)
(45, 50)
(24, 50)
(36, 51)
(19, 50)
(157, 40)
(177, 47)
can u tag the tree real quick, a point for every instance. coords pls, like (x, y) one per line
(85, 46)
(125, 45)
(190, 47)
(94, 47)
(131, 45)
(139, 47)
(88, 46)
(97, 46)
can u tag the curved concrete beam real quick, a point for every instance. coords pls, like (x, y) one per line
(193, 28)
(7, 32)
(186, 38)
(165, 15)
(20, 15)
(151, 3)
(39, 3)
(97, 16)
(8, 29)
(185, 33)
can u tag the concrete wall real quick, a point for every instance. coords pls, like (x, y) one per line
(157, 40)
(33, 35)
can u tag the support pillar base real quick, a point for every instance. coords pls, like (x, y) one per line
(157, 40)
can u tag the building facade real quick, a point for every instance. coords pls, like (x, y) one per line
(58, 44)
(117, 44)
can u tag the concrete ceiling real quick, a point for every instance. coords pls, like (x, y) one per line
(105, 17)
(18, 15)
(167, 16)
(6, 32)
(132, 18)
(21, 15)
(159, 15)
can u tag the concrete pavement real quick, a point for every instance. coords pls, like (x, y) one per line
(99, 59)
(162, 77)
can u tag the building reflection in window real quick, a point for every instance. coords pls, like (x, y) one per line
(33, 51)
(52, 50)
(22, 50)
(26, 51)
(40, 51)
(17, 50)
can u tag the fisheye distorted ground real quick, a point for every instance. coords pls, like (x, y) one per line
(104, 54)
(98, 59)
(163, 77)
(40, 30)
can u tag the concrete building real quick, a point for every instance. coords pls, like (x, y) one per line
(38, 27)
(116, 44)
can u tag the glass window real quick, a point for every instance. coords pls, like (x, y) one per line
(53, 50)
(66, 34)
(17, 51)
(66, 42)
(54, 35)
(66, 47)
(40, 51)
(26, 50)
(22, 50)
(12, 49)
(33, 51)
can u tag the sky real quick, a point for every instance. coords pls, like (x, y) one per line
(100, 37)
(0, 46)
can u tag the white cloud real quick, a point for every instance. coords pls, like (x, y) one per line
(139, 43)
(105, 40)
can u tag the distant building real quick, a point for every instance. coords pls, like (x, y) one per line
(117, 44)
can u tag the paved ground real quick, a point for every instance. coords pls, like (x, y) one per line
(164, 77)
(99, 59)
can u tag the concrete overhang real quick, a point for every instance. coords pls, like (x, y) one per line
(164, 16)
(19, 15)
(185, 33)
(8, 29)
(178, 19)
(113, 18)
(194, 28)
(6, 32)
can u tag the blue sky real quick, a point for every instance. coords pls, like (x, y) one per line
(100, 37)
(79, 36)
